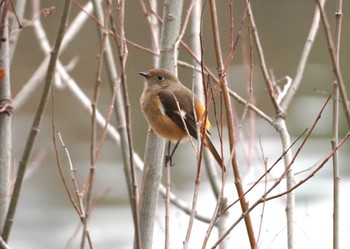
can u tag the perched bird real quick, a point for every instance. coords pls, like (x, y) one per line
(168, 107)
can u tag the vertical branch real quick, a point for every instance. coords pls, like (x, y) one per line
(231, 128)
(93, 156)
(280, 109)
(249, 60)
(196, 24)
(331, 49)
(154, 152)
(285, 102)
(172, 13)
(182, 31)
(123, 54)
(121, 116)
(167, 201)
(153, 21)
(282, 129)
(218, 191)
(198, 48)
(37, 119)
(5, 118)
(19, 12)
(335, 140)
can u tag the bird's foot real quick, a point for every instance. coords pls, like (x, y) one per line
(169, 160)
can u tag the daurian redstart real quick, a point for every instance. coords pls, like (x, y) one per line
(168, 107)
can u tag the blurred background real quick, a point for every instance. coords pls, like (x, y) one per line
(45, 218)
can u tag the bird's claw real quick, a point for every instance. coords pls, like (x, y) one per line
(169, 159)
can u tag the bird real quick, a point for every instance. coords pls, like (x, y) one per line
(173, 110)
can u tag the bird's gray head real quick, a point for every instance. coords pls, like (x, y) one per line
(159, 78)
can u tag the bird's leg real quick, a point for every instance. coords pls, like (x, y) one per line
(168, 158)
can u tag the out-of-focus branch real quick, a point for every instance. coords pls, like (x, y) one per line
(303, 60)
(333, 55)
(3, 244)
(5, 117)
(19, 12)
(280, 126)
(37, 77)
(265, 196)
(123, 54)
(335, 139)
(37, 119)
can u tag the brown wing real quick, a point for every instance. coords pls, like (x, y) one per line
(180, 110)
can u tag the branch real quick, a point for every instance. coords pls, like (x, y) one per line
(37, 119)
(336, 68)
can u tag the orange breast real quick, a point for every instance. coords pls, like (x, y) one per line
(159, 122)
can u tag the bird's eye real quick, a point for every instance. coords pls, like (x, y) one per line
(160, 77)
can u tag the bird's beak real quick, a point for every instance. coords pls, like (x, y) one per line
(146, 75)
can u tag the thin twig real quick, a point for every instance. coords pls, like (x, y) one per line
(194, 202)
(265, 189)
(18, 13)
(336, 68)
(200, 85)
(93, 151)
(182, 31)
(109, 31)
(119, 109)
(154, 21)
(167, 200)
(123, 55)
(309, 42)
(78, 207)
(280, 126)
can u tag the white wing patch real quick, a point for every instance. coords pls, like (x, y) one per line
(183, 113)
(162, 109)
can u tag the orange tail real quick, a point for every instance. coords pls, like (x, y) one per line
(213, 151)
